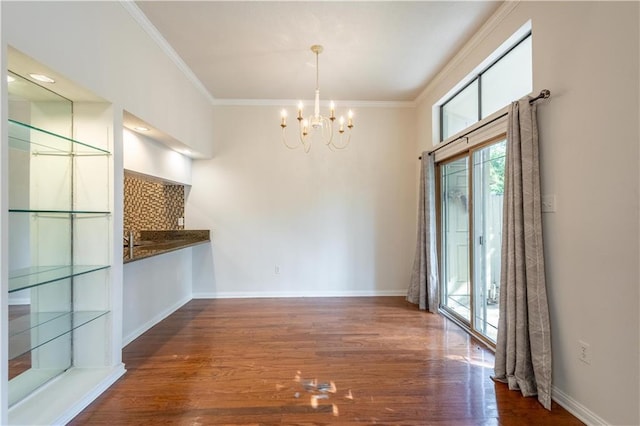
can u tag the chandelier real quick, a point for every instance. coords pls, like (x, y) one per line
(317, 123)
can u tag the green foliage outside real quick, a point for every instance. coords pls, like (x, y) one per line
(496, 169)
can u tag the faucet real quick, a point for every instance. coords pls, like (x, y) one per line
(128, 241)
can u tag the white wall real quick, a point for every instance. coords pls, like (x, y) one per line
(100, 47)
(154, 288)
(335, 223)
(587, 54)
(146, 156)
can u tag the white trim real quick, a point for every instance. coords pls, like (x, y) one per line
(492, 23)
(142, 20)
(66, 396)
(153, 321)
(294, 102)
(117, 372)
(259, 295)
(4, 229)
(574, 407)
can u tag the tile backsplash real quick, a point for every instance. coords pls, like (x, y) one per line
(151, 205)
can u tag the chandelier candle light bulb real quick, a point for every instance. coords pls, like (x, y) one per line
(283, 114)
(317, 123)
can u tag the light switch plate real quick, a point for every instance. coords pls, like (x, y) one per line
(548, 203)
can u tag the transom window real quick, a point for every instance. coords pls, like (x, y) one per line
(507, 78)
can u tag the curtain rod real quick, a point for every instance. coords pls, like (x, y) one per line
(544, 94)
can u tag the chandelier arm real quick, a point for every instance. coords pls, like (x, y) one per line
(343, 146)
(338, 147)
(329, 124)
(284, 140)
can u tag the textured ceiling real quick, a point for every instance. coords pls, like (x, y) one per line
(373, 51)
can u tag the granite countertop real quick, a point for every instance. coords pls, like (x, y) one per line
(154, 243)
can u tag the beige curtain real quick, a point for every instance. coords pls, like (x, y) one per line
(523, 350)
(423, 286)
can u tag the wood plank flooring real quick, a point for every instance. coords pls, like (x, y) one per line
(22, 363)
(274, 361)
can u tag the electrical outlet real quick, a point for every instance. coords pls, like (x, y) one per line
(277, 269)
(584, 352)
(181, 221)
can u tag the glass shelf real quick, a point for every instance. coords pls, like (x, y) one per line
(26, 333)
(27, 322)
(42, 142)
(19, 279)
(61, 212)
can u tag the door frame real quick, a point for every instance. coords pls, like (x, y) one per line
(481, 140)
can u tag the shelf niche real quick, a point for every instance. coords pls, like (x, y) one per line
(59, 243)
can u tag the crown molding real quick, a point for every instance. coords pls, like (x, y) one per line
(294, 102)
(152, 31)
(505, 9)
(487, 28)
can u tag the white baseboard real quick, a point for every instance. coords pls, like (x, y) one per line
(63, 398)
(98, 390)
(262, 295)
(574, 407)
(153, 321)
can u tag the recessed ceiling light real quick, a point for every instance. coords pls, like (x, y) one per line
(42, 78)
(141, 129)
(10, 79)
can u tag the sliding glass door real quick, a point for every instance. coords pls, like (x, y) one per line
(455, 237)
(488, 189)
(471, 192)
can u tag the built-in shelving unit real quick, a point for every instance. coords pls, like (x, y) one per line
(59, 257)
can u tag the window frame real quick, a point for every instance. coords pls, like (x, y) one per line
(477, 78)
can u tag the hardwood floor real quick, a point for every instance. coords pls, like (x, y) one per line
(254, 362)
(22, 363)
